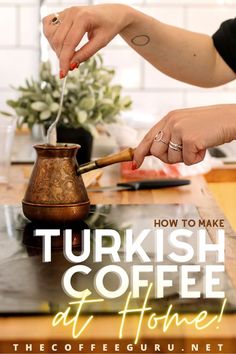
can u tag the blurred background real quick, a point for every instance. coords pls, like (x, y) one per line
(153, 94)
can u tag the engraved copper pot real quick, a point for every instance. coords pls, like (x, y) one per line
(56, 192)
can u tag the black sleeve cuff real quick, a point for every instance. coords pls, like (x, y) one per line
(225, 42)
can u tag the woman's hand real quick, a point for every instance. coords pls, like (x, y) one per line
(101, 23)
(185, 134)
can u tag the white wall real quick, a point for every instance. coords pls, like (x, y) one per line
(18, 44)
(151, 91)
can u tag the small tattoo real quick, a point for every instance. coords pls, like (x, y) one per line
(140, 40)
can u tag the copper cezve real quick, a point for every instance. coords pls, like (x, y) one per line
(56, 192)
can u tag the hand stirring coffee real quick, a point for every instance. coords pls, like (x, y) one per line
(52, 130)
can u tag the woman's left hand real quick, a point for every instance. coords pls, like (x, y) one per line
(65, 30)
(184, 135)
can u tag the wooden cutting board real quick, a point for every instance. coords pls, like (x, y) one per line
(91, 177)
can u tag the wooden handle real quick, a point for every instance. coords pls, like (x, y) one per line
(125, 155)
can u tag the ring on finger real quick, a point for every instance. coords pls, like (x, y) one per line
(159, 137)
(56, 20)
(175, 147)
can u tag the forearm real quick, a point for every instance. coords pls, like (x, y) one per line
(186, 56)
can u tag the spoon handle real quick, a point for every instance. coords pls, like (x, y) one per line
(52, 130)
(125, 155)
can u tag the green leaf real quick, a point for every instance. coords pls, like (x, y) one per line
(106, 102)
(54, 107)
(6, 114)
(48, 99)
(97, 117)
(93, 130)
(115, 92)
(126, 102)
(31, 119)
(56, 94)
(21, 112)
(82, 117)
(39, 106)
(87, 103)
(45, 115)
(12, 103)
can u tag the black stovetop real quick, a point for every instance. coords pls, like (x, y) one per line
(29, 286)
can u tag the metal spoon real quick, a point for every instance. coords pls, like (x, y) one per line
(52, 130)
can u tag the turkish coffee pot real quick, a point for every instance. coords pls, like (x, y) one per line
(56, 191)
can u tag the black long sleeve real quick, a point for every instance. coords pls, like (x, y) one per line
(225, 42)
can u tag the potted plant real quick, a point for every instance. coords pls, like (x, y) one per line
(90, 100)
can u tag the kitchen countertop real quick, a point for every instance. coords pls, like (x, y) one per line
(192, 194)
(221, 182)
(197, 193)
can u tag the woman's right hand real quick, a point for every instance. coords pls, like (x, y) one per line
(101, 23)
(184, 135)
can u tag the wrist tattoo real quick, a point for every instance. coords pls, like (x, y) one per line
(140, 40)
